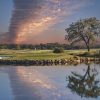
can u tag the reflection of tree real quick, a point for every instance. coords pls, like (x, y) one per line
(85, 85)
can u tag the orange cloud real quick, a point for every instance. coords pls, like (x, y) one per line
(33, 21)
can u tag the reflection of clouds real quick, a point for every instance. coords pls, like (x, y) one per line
(31, 76)
(46, 89)
(41, 82)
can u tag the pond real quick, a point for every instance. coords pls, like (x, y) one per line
(71, 82)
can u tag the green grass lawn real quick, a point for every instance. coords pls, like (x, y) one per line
(42, 54)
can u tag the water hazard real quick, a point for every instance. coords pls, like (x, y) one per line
(81, 82)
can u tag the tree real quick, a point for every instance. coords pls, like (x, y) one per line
(86, 85)
(83, 30)
(58, 50)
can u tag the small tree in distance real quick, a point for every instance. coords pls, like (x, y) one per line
(58, 50)
(83, 30)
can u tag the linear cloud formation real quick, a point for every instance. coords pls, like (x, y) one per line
(35, 16)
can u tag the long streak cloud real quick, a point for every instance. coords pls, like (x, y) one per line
(35, 16)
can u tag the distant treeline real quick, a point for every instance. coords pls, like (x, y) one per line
(48, 46)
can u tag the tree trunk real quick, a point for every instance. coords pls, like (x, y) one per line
(88, 47)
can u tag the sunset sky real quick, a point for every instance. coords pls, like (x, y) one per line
(42, 21)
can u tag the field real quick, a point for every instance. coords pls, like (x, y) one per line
(44, 54)
(33, 54)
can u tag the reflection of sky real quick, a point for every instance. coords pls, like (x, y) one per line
(5, 87)
(46, 82)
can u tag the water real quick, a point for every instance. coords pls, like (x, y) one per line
(5, 87)
(79, 82)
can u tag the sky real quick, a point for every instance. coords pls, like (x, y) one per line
(42, 21)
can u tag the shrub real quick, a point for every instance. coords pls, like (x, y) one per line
(58, 50)
(97, 53)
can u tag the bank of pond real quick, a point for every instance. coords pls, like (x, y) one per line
(74, 61)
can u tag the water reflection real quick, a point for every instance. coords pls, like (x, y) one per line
(5, 87)
(86, 85)
(48, 83)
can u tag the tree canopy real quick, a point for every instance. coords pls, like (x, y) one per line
(83, 30)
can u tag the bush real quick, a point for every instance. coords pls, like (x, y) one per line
(97, 53)
(58, 50)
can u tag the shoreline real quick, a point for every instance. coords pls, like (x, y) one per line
(49, 62)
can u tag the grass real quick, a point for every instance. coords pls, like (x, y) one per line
(33, 54)
(84, 53)
(44, 54)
